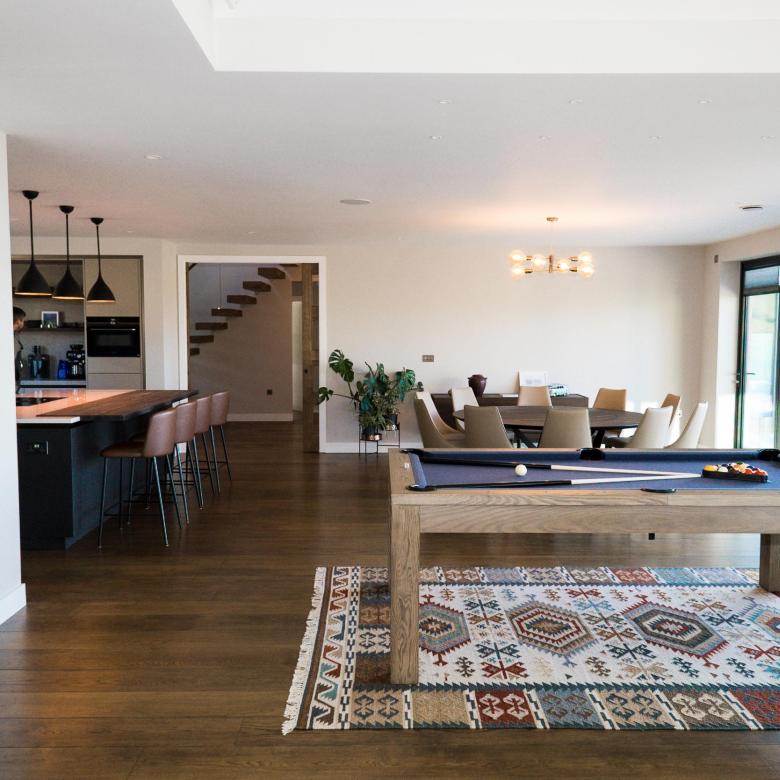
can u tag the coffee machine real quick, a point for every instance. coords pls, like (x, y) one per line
(77, 362)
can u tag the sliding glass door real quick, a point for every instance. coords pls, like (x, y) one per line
(758, 423)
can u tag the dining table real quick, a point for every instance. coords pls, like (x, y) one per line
(523, 419)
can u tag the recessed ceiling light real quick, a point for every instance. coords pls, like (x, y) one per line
(128, 231)
(251, 232)
(704, 102)
(154, 157)
(575, 102)
(655, 137)
(752, 207)
(355, 201)
(444, 102)
(544, 137)
(767, 138)
(435, 137)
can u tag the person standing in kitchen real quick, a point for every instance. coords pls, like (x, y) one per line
(19, 317)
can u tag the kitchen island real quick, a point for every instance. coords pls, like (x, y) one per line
(60, 434)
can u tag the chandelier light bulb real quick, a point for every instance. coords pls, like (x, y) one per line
(517, 270)
(539, 260)
(586, 271)
(563, 265)
(517, 255)
(586, 258)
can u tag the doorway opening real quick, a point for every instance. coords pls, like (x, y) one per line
(251, 326)
(758, 367)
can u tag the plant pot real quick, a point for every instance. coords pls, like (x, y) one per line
(392, 422)
(371, 433)
(477, 383)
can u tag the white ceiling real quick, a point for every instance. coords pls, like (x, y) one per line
(88, 88)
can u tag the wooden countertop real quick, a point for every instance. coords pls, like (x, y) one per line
(78, 405)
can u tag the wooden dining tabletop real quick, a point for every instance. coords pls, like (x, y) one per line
(124, 406)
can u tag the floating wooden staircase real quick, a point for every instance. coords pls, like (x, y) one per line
(254, 287)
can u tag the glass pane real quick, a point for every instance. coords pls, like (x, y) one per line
(758, 416)
(762, 277)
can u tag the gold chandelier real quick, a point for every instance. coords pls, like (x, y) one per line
(522, 264)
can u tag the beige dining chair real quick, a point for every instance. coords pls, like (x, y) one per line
(652, 433)
(461, 397)
(566, 429)
(611, 398)
(431, 436)
(534, 395)
(674, 401)
(441, 426)
(484, 428)
(689, 438)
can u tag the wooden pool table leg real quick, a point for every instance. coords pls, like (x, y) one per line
(769, 573)
(404, 593)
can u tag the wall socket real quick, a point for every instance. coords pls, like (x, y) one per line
(269, 391)
(427, 358)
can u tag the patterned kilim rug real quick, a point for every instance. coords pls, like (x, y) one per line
(587, 648)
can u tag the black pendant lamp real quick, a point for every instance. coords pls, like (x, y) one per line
(68, 289)
(32, 284)
(100, 292)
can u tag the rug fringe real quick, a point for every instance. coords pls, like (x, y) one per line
(301, 676)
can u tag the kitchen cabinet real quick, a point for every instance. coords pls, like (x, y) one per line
(115, 381)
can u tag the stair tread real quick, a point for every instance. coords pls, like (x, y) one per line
(241, 299)
(271, 273)
(221, 311)
(211, 326)
(258, 286)
(194, 351)
(201, 339)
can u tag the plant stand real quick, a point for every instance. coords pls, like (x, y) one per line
(363, 443)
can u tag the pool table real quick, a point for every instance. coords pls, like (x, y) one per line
(424, 501)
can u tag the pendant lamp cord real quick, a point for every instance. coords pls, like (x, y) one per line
(67, 241)
(32, 245)
(100, 265)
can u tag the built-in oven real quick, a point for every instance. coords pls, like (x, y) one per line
(113, 337)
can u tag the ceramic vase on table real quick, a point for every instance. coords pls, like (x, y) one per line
(477, 383)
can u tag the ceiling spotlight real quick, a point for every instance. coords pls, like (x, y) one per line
(435, 137)
(543, 137)
(154, 157)
(355, 201)
(767, 138)
(655, 137)
(704, 102)
(444, 102)
(752, 207)
(251, 232)
(575, 102)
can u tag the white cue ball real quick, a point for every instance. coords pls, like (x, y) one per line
(521, 470)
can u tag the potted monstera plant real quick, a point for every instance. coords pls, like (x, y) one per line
(376, 397)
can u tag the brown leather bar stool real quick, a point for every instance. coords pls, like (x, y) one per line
(158, 443)
(220, 405)
(202, 427)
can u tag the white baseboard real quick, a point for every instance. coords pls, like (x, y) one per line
(262, 417)
(11, 603)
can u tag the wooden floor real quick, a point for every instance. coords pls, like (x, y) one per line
(146, 662)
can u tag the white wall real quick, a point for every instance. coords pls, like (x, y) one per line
(12, 591)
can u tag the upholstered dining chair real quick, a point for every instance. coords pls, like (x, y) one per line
(484, 428)
(462, 396)
(431, 435)
(652, 433)
(441, 426)
(534, 395)
(566, 429)
(689, 438)
(674, 401)
(611, 398)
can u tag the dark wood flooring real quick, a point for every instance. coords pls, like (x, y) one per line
(146, 662)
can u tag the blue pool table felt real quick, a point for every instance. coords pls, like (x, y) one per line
(662, 460)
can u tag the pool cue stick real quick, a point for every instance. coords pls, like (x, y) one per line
(553, 482)
(541, 466)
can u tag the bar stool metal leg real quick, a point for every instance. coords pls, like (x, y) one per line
(173, 488)
(216, 461)
(196, 469)
(208, 462)
(130, 491)
(225, 450)
(183, 486)
(102, 502)
(160, 498)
